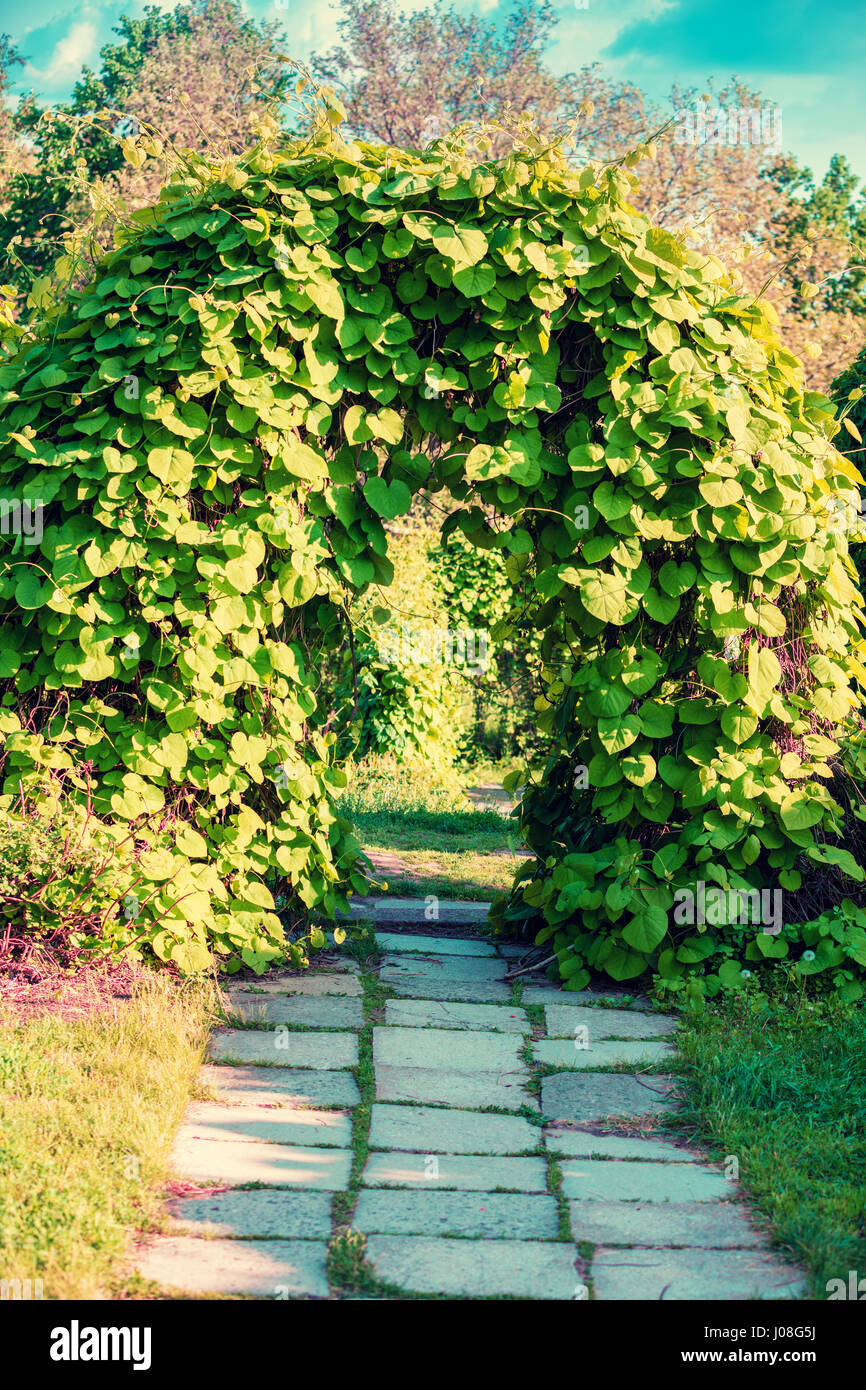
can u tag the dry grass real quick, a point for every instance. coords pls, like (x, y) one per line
(95, 1072)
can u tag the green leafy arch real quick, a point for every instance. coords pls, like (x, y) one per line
(269, 365)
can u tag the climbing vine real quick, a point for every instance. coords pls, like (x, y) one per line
(269, 365)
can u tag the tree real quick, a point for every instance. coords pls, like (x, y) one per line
(203, 87)
(14, 155)
(406, 78)
(194, 74)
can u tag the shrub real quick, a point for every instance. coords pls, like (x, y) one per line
(410, 708)
(66, 881)
(479, 594)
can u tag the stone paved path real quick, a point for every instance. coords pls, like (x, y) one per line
(491, 1166)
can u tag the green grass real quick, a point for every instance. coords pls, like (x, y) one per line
(783, 1090)
(421, 819)
(453, 874)
(88, 1112)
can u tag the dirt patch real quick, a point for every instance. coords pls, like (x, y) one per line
(72, 993)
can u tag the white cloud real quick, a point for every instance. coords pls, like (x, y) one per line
(79, 46)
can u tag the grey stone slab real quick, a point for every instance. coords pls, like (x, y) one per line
(488, 1215)
(275, 1215)
(428, 1086)
(563, 1019)
(537, 990)
(414, 911)
(539, 993)
(415, 943)
(580, 1143)
(425, 1129)
(310, 982)
(474, 979)
(475, 1268)
(453, 1051)
(265, 1268)
(562, 1052)
(325, 1011)
(710, 1225)
(442, 1013)
(621, 1180)
(465, 1172)
(590, 1096)
(240, 1162)
(719, 1275)
(281, 1086)
(512, 952)
(479, 969)
(319, 1051)
(280, 1125)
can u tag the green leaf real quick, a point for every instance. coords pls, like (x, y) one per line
(474, 280)
(390, 500)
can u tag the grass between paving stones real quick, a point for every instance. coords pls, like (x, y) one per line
(535, 1014)
(782, 1088)
(88, 1112)
(347, 1269)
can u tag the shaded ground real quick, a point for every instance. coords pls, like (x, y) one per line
(74, 993)
(459, 854)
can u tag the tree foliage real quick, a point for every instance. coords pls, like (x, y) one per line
(407, 77)
(197, 76)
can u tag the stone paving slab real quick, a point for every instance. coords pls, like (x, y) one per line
(281, 1086)
(453, 1051)
(562, 1019)
(431, 1086)
(477, 992)
(485, 1215)
(425, 1129)
(413, 911)
(588, 1097)
(561, 1052)
(324, 1011)
(470, 1268)
(321, 1128)
(621, 1180)
(537, 990)
(318, 1051)
(710, 1225)
(412, 943)
(511, 952)
(275, 1215)
(579, 1143)
(266, 1268)
(430, 977)
(465, 1172)
(441, 1013)
(238, 1162)
(720, 1275)
(315, 983)
(455, 969)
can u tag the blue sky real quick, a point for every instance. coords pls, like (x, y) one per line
(807, 57)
